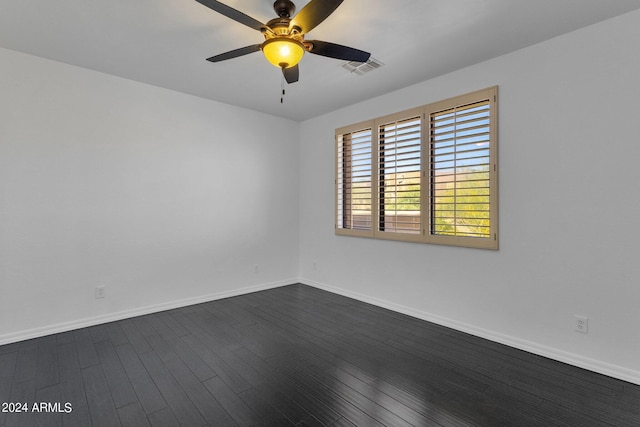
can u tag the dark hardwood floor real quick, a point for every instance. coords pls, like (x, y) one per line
(299, 356)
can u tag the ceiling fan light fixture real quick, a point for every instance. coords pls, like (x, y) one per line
(283, 52)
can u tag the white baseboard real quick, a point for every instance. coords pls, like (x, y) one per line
(528, 346)
(112, 317)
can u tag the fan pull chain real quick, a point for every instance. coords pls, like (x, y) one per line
(282, 87)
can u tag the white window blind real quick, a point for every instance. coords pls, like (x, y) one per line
(460, 171)
(353, 180)
(399, 172)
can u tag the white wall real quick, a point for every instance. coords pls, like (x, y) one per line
(161, 197)
(569, 211)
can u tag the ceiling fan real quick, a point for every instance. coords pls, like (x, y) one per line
(284, 43)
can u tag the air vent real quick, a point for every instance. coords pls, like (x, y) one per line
(361, 68)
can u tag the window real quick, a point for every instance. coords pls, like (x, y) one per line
(424, 175)
(399, 175)
(353, 181)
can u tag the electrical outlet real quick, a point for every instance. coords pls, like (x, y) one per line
(256, 268)
(581, 324)
(315, 265)
(99, 291)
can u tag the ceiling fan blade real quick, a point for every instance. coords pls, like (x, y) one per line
(235, 53)
(291, 74)
(337, 51)
(314, 13)
(232, 13)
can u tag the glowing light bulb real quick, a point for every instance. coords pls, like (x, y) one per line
(283, 52)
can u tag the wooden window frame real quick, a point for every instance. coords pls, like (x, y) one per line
(427, 232)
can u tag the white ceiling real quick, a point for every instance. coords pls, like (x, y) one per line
(165, 43)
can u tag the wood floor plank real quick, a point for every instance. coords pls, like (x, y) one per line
(24, 394)
(206, 347)
(279, 376)
(219, 332)
(72, 391)
(342, 422)
(72, 385)
(65, 337)
(191, 359)
(163, 418)
(48, 402)
(134, 336)
(101, 407)
(9, 348)
(144, 326)
(116, 334)
(365, 399)
(206, 404)
(409, 409)
(182, 407)
(84, 346)
(269, 415)
(568, 417)
(117, 379)
(132, 415)
(27, 361)
(148, 394)
(241, 413)
(175, 326)
(99, 333)
(229, 312)
(7, 367)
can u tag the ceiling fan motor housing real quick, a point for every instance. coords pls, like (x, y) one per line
(279, 27)
(284, 8)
